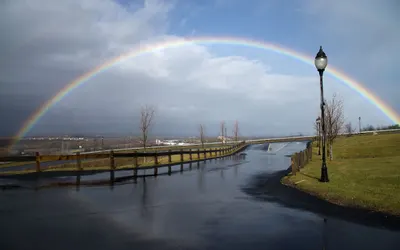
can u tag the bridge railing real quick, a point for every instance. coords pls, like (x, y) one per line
(117, 160)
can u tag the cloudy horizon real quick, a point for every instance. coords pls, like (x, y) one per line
(47, 44)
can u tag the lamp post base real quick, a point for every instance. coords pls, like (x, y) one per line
(324, 173)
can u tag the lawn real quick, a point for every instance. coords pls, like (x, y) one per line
(365, 173)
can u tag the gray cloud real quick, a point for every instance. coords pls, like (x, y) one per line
(49, 44)
(366, 40)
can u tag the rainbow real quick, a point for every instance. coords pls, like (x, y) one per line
(157, 46)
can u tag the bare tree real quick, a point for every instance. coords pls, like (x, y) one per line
(202, 136)
(236, 131)
(334, 122)
(147, 113)
(222, 131)
(349, 129)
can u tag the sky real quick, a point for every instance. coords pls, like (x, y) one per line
(46, 44)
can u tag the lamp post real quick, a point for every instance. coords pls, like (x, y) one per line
(321, 61)
(318, 121)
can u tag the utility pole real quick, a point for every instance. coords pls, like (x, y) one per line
(359, 124)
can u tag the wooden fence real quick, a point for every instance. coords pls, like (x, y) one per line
(300, 159)
(122, 160)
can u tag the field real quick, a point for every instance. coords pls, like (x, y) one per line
(365, 173)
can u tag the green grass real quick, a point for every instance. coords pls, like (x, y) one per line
(365, 173)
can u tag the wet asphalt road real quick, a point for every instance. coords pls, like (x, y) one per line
(224, 204)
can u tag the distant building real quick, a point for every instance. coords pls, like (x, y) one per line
(171, 142)
(224, 138)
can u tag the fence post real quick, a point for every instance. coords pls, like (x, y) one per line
(155, 163)
(305, 156)
(78, 161)
(155, 158)
(198, 153)
(190, 155)
(302, 159)
(205, 153)
(210, 152)
(37, 162)
(169, 156)
(112, 160)
(181, 155)
(135, 163)
(112, 166)
(294, 170)
(296, 161)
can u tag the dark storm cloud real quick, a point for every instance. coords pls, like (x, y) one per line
(46, 44)
(50, 43)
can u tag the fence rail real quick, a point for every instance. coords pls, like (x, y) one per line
(114, 160)
(300, 159)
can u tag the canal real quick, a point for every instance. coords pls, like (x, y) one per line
(230, 203)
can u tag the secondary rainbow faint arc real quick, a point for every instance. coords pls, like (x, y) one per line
(152, 47)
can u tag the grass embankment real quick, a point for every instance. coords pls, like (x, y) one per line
(365, 173)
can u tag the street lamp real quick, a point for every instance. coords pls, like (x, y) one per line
(321, 61)
(318, 121)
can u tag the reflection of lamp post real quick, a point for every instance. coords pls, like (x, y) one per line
(321, 61)
(318, 121)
